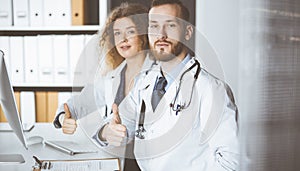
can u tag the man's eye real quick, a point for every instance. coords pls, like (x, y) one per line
(117, 33)
(172, 25)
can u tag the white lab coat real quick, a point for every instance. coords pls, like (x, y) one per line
(99, 94)
(201, 137)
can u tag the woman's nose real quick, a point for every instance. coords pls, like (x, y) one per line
(124, 38)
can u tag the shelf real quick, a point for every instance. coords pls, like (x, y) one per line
(59, 30)
(47, 87)
(50, 28)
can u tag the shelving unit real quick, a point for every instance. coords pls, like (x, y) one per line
(47, 94)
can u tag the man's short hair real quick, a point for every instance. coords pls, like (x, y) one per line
(184, 12)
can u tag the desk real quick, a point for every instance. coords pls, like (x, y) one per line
(10, 144)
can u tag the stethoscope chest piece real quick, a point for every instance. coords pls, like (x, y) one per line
(140, 132)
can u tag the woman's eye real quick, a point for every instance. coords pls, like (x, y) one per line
(117, 33)
(131, 32)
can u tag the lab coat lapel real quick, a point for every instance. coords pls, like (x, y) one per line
(112, 84)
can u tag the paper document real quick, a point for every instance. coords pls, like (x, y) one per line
(71, 147)
(104, 164)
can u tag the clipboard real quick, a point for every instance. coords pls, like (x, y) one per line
(101, 164)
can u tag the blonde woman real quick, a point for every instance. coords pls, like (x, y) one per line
(125, 38)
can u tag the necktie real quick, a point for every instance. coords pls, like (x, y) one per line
(158, 92)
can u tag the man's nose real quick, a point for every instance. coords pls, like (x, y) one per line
(162, 34)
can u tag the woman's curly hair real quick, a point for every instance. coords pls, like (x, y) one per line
(139, 16)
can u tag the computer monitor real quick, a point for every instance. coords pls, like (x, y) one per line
(9, 107)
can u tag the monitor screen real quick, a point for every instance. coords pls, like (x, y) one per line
(8, 102)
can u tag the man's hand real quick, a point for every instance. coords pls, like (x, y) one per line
(69, 124)
(114, 132)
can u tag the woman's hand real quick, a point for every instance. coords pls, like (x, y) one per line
(69, 124)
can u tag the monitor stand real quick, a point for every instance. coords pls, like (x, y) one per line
(11, 159)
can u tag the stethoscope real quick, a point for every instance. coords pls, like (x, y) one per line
(140, 132)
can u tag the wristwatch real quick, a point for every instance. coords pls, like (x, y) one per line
(56, 122)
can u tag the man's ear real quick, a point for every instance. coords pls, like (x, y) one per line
(188, 32)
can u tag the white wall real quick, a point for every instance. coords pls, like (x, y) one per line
(218, 21)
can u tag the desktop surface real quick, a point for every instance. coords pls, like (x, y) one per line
(11, 145)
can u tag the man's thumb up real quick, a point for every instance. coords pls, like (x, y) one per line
(67, 111)
(116, 117)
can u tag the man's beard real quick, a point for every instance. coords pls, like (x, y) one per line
(161, 55)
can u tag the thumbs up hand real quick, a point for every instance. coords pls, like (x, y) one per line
(69, 124)
(116, 117)
(114, 132)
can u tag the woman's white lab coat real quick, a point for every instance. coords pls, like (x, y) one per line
(201, 137)
(99, 94)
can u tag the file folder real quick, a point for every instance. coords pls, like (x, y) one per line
(76, 45)
(41, 106)
(57, 12)
(61, 59)
(52, 104)
(77, 12)
(21, 12)
(49, 12)
(45, 54)
(5, 47)
(64, 13)
(27, 105)
(36, 12)
(6, 13)
(17, 59)
(31, 59)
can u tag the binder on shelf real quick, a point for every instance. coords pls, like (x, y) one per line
(31, 59)
(76, 45)
(61, 59)
(5, 47)
(17, 97)
(45, 54)
(41, 106)
(20, 13)
(52, 104)
(36, 12)
(27, 106)
(77, 8)
(49, 12)
(100, 164)
(91, 56)
(17, 59)
(57, 12)
(64, 13)
(2, 117)
(6, 13)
